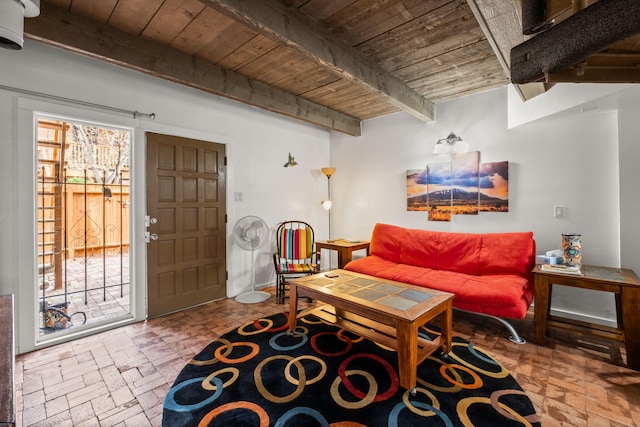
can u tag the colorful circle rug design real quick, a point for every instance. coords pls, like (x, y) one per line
(258, 375)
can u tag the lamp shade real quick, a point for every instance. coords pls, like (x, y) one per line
(328, 171)
(441, 148)
(447, 145)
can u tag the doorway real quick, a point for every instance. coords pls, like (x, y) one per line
(83, 225)
(186, 223)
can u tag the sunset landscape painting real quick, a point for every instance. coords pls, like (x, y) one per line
(464, 183)
(439, 179)
(417, 190)
(463, 186)
(494, 187)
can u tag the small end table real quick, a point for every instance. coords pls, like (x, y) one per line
(620, 281)
(343, 247)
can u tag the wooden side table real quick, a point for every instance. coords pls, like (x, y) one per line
(344, 248)
(622, 282)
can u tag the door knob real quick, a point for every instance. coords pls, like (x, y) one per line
(153, 236)
(148, 220)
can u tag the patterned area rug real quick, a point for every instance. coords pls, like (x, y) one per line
(257, 375)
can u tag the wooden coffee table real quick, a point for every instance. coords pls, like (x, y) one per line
(384, 311)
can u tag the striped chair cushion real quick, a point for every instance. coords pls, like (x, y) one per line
(296, 244)
(297, 268)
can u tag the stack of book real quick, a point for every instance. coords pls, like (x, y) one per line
(562, 269)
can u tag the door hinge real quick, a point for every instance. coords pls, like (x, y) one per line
(225, 160)
(226, 220)
(226, 275)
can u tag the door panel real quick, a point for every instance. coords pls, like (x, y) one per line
(186, 193)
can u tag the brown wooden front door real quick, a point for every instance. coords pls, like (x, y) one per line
(186, 254)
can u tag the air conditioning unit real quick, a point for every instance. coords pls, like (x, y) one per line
(12, 14)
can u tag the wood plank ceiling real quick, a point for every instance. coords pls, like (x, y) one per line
(333, 63)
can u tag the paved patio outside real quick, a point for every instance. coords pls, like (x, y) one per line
(107, 293)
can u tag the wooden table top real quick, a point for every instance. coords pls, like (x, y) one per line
(342, 243)
(400, 300)
(621, 276)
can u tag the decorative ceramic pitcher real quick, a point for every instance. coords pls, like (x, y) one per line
(572, 247)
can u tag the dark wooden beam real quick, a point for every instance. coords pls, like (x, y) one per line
(596, 75)
(534, 16)
(63, 29)
(295, 30)
(573, 40)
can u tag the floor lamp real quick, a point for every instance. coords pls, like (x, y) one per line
(326, 204)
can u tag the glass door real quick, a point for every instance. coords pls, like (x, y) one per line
(83, 225)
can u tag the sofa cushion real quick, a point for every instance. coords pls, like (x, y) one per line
(443, 280)
(459, 252)
(372, 265)
(403, 273)
(386, 242)
(507, 253)
(497, 295)
(420, 247)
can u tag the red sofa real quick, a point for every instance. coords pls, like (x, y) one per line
(488, 273)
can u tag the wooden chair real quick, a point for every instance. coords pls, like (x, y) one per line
(295, 255)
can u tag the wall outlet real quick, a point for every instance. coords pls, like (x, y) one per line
(558, 211)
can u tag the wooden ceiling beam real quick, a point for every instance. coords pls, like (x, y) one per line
(557, 49)
(500, 23)
(290, 27)
(66, 30)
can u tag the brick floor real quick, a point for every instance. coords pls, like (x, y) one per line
(120, 377)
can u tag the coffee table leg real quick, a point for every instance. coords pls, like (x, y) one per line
(446, 321)
(293, 307)
(407, 354)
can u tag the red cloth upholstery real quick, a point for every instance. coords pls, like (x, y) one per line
(488, 273)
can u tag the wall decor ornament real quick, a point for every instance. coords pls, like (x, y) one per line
(291, 162)
(572, 249)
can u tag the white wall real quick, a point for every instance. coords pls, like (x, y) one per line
(567, 159)
(629, 125)
(559, 98)
(257, 144)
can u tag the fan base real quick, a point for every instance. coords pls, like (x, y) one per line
(253, 297)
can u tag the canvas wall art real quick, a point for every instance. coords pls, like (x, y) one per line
(465, 183)
(417, 190)
(494, 187)
(463, 186)
(439, 177)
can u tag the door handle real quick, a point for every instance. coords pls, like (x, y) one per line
(148, 237)
(149, 220)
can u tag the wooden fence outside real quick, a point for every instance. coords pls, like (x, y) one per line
(96, 219)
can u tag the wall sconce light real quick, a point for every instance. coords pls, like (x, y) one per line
(448, 145)
(326, 204)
